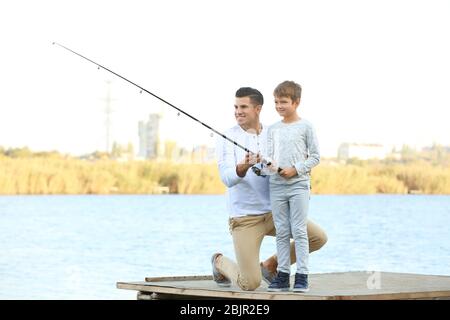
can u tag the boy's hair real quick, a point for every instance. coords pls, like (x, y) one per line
(255, 96)
(288, 89)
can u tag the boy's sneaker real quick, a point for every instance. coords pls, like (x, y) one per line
(280, 283)
(267, 275)
(219, 278)
(301, 283)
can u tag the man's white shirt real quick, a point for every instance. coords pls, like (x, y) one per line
(248, 195)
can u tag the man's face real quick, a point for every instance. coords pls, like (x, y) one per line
(246, 112)
(285, 106)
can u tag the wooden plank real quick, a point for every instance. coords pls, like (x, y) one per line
(164, 296)
(328, 286)
(178, 278)
(197, 293)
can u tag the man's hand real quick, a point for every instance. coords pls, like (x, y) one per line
(288, 173)
(247, 163)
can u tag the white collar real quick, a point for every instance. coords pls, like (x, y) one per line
(252, 134)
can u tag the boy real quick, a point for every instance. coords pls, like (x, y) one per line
(293, 147)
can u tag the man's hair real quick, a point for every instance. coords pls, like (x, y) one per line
(288, 89)
(255, 96)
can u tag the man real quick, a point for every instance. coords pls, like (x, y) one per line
(248, 200)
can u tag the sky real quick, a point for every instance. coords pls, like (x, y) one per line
(371, 71)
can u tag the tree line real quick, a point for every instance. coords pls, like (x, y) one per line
(25, 172)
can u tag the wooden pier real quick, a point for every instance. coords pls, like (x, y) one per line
(326, 286)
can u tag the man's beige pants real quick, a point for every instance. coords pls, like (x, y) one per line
(248, 233)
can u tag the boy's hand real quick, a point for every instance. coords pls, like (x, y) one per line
(288, 173)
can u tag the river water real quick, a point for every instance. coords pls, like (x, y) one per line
(78, 247)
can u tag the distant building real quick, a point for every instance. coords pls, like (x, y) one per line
(361, 151)
(203, 154)
(173, 152)
(153, 146)
(444, 149)
(149, 137)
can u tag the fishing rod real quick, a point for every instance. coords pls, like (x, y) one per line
(157, 97)
(256, 170)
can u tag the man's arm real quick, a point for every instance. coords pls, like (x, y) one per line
(241, 169)
(231, 173)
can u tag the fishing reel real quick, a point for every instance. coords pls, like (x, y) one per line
(258, 171)
(265, 168)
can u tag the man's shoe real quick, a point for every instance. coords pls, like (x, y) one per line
(301, 283)
(267, 275)
(219, 278)
(280, 283)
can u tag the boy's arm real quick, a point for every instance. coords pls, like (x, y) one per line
(314, 154)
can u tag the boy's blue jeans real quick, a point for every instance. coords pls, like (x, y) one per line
(290, 204)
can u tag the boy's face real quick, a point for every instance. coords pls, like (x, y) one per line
(285, 106)
(245, 112)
